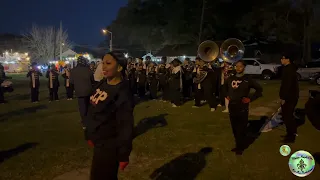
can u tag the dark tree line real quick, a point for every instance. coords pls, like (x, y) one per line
(149, 25)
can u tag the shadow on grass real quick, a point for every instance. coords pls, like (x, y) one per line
(148, 123)
(4, 155)
(253, 130)
(186, 166)
(21, 112)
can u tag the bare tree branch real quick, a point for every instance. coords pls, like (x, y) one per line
(43, 41)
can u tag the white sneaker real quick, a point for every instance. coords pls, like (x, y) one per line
(173, 105)
(212, 109)
(219, 105)
(226, 111)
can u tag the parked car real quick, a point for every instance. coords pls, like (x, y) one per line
(305, 72)
(315, 78)
(255, 66)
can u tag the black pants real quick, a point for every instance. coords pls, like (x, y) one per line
(35, 94)
(83, 103)
(238, 114)
(69, 91)
(175, 96)
(288, 118)
(153, 90)
(104, 163)
(205, 94)
(164, 87)
(187, 88)
(1, 95)
(198, 96)
(53, 93)
(141, 90)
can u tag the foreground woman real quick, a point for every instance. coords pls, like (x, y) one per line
(110, 119)
(238, 89)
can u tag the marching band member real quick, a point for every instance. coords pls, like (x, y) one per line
(132, 77)
(237, 88)
(204, 80)
(153, 81)
(141, 76)
(224, 76)
(187, 78)
(34, 75)
(175, 83)
(163, 72)
(110, 120)
(69, 87)
(53, 83)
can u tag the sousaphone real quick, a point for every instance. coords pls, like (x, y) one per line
(231, 50)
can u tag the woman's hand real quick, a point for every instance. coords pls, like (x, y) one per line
(123, 165)
(90, 143)
(245, 100)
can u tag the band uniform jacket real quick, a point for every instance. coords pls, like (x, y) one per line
(289, 88)
(209, 82)
(34, 76)
(237, 88)
(152, 76)
(175, 78)
(110, 117)
(188, 72)
(53, 79)
(162, 72)
(141, 76)
(66, 75)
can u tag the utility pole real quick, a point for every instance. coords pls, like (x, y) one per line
(201, 21)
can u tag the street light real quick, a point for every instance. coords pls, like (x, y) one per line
(106, 31)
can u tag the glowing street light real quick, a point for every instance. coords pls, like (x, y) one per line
(105, 32)
(126, 55)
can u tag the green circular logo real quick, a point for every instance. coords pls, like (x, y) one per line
(301, 163)
(285, 150)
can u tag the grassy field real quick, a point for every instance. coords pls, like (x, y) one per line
(42, 141)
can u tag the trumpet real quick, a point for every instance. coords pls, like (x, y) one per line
(231, 50)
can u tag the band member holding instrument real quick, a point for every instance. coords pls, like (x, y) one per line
(237, 88)
(53, 83)
(141, 76)
(67, 83)
(153, 80)
(34, 75)
(175, 83)
(289, 96)
(110, 120)
(187, 79)
(204, 80)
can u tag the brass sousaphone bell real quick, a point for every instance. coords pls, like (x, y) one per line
(231, 50)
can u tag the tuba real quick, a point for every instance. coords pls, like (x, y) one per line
(231, 50)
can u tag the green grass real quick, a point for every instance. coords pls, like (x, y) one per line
(61, 148)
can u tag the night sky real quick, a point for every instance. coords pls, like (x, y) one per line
(83, 19)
